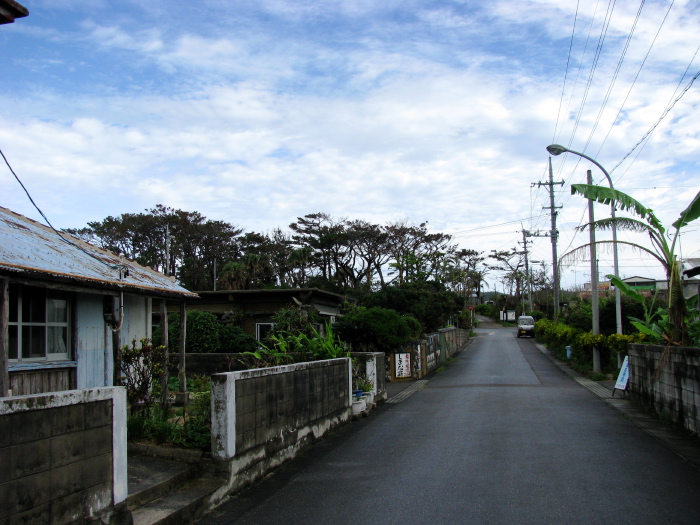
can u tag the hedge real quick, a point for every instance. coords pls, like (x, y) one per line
(557, 336)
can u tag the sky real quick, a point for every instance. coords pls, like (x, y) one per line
(435, 111)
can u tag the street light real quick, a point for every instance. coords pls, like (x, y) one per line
(556, 149)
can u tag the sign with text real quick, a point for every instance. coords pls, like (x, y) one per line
(403, 365)
(624, 375)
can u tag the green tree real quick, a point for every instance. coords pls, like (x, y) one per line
(376, 329)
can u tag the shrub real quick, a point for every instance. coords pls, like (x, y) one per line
(233, 339)
(141, 368)
(379, 329)
(203, 332)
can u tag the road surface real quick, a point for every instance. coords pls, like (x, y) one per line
(502, 436)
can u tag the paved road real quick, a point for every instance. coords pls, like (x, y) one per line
(501, 437)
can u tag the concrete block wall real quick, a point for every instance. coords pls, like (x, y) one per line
(676, 393)
(264, 417)
(442, 345)
(61, 460)
(251, 408)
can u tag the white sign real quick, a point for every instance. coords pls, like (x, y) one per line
(624, 375)
(403, 365)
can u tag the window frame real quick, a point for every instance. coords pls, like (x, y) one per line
(257, 329)
(16, 320)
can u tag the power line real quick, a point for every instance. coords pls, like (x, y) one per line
(641, 66)
(614, 77)
(464, 232)
(663, 115)
(119, 267)
(566, 73)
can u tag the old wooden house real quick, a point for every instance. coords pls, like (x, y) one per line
(65, 306)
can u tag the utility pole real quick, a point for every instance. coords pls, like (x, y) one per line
(527, 269)
(538, 233)
(594, 280)
(553, 234)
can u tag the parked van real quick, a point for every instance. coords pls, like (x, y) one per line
(526, 326)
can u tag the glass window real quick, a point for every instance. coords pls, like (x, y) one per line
(38, 324)
(262, 330)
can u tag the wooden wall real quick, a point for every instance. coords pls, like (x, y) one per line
(29, 382)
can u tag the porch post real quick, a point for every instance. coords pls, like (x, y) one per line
(164, 342)
(183, 337)
(4, 338)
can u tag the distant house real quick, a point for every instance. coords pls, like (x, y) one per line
(256, 307)
(64, 307)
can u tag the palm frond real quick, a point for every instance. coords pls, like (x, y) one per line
(622, 223)
(606, 195)
(688, 215)
(579, 254)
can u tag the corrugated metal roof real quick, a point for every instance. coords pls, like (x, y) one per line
(28, 247)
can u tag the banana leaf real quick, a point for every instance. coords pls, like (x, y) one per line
(688, 215)
(621, 200)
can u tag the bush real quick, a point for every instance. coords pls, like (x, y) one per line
(557, 336)
(429, 305)
(233, 339)
(203, 332)
(378, 329)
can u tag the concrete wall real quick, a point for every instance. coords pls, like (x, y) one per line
(263, 417)
(429, 353)
(676, 393)
(63, 457)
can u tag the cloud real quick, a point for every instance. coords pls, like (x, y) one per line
(381, 111)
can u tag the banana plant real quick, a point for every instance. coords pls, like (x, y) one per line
(662, 247)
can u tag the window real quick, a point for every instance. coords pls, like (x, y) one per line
(39, 326)
(262, 330)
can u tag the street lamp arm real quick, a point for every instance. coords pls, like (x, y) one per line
(556, 149)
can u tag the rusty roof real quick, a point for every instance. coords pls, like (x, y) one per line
(36, 251)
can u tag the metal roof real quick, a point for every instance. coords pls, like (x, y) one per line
(36, 251)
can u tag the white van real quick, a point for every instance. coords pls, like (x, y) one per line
(526, 326)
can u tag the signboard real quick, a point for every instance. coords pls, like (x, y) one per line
(471, 307)
(508, 315)
(624, 376)
(403, 365)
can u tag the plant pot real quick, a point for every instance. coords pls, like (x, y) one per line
(358, 407)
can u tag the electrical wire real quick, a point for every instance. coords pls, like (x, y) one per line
(641, 66)
(118, 267)
(594, 66)
(614, 77)
(566, 73)
(663, 115)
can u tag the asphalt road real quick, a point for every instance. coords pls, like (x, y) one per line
(502, 436)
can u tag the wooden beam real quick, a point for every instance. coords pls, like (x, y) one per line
(183, 340)
(4, 338)
(164, 342)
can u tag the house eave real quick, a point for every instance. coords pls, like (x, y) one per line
(10, 10)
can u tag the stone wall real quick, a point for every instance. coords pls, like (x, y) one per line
(676, 393)
(63, 457)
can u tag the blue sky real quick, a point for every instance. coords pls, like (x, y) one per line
(440, 111)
